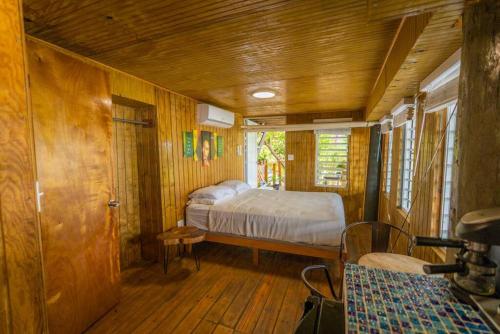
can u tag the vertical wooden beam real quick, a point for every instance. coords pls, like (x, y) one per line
(22, 303)
(265, 172)
(279, 172)
(477, 177)
(274, 173)
(476, 182)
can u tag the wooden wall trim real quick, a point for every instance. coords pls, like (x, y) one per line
(22, 305)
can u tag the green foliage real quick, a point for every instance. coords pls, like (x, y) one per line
(277, 142)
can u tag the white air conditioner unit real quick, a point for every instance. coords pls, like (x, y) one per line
(214, 116)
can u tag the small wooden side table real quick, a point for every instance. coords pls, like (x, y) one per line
(181, 236)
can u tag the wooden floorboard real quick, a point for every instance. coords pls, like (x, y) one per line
(228, 295)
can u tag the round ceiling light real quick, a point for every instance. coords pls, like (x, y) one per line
(264, 94)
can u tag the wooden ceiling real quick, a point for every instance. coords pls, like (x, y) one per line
(318, 55)
(440, 35)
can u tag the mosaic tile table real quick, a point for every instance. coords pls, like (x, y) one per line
(382, 301)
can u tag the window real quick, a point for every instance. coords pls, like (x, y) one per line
(408, 147)
(332, 148)
(449, 147)
(388, 168)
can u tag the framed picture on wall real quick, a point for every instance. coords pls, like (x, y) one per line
(187, 139)
(220, 146)
(206, 147)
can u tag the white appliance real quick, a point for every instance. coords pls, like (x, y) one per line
(214, 116)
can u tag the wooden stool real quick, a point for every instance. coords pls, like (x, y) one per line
(393, 262)
(185, 235)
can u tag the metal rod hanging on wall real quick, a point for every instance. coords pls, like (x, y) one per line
(131, 121)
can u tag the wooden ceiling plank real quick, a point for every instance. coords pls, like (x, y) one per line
(390, 9)
(319, 55)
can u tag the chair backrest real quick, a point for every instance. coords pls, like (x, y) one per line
(381, 234)
(379, 242)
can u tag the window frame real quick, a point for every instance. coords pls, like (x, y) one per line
(316, 155)
(447, 168)
(405, 197)
(388, 163)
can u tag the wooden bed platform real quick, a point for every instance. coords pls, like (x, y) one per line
(324, 252)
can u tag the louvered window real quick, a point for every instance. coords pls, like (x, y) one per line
(332, 149)
(448, 171)
(408, 148)
(388, 169)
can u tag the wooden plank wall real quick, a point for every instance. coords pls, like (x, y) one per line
(148, 169)
(301, 171)
(176, 113)
(136, 184)
(424, 216)
(22, 305)
(180, 176)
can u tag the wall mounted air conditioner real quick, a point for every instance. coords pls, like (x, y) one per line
(214, 116)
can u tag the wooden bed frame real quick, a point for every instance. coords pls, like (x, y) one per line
(324, 252)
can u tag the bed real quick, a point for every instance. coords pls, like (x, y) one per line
(304, 223)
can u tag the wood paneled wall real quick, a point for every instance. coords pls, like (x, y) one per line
(127, 185)
(137, 182)
(300, 172)
(148, 168)
(426, 190)
(22, 306)
(176, 113)
(180, 175)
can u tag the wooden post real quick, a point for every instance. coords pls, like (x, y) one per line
(274, 173)
(477, 178)
(265, 172)
(279, 173)
(258, 173)
(476, 181)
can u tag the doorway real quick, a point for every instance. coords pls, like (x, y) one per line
(137, 180)
(265, 159)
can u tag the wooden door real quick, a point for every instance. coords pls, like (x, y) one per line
(72, 121)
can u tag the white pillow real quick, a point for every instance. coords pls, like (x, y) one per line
(208, 201)
(213, 192)
(238, 186)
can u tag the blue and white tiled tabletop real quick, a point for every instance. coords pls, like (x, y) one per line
(382, 301)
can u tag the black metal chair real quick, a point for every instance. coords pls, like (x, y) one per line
(312, 289)
(326, 315)
(380, 237)
(380, 241)
(321, 313)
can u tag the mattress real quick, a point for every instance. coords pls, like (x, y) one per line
(302, 217)
(197, 215)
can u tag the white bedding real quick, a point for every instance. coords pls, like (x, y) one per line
(307, 217)
(197, 215)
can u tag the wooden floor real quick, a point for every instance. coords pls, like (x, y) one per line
(228, 295)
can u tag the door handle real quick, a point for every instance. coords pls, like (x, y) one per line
(113, 203)
(39, 195)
